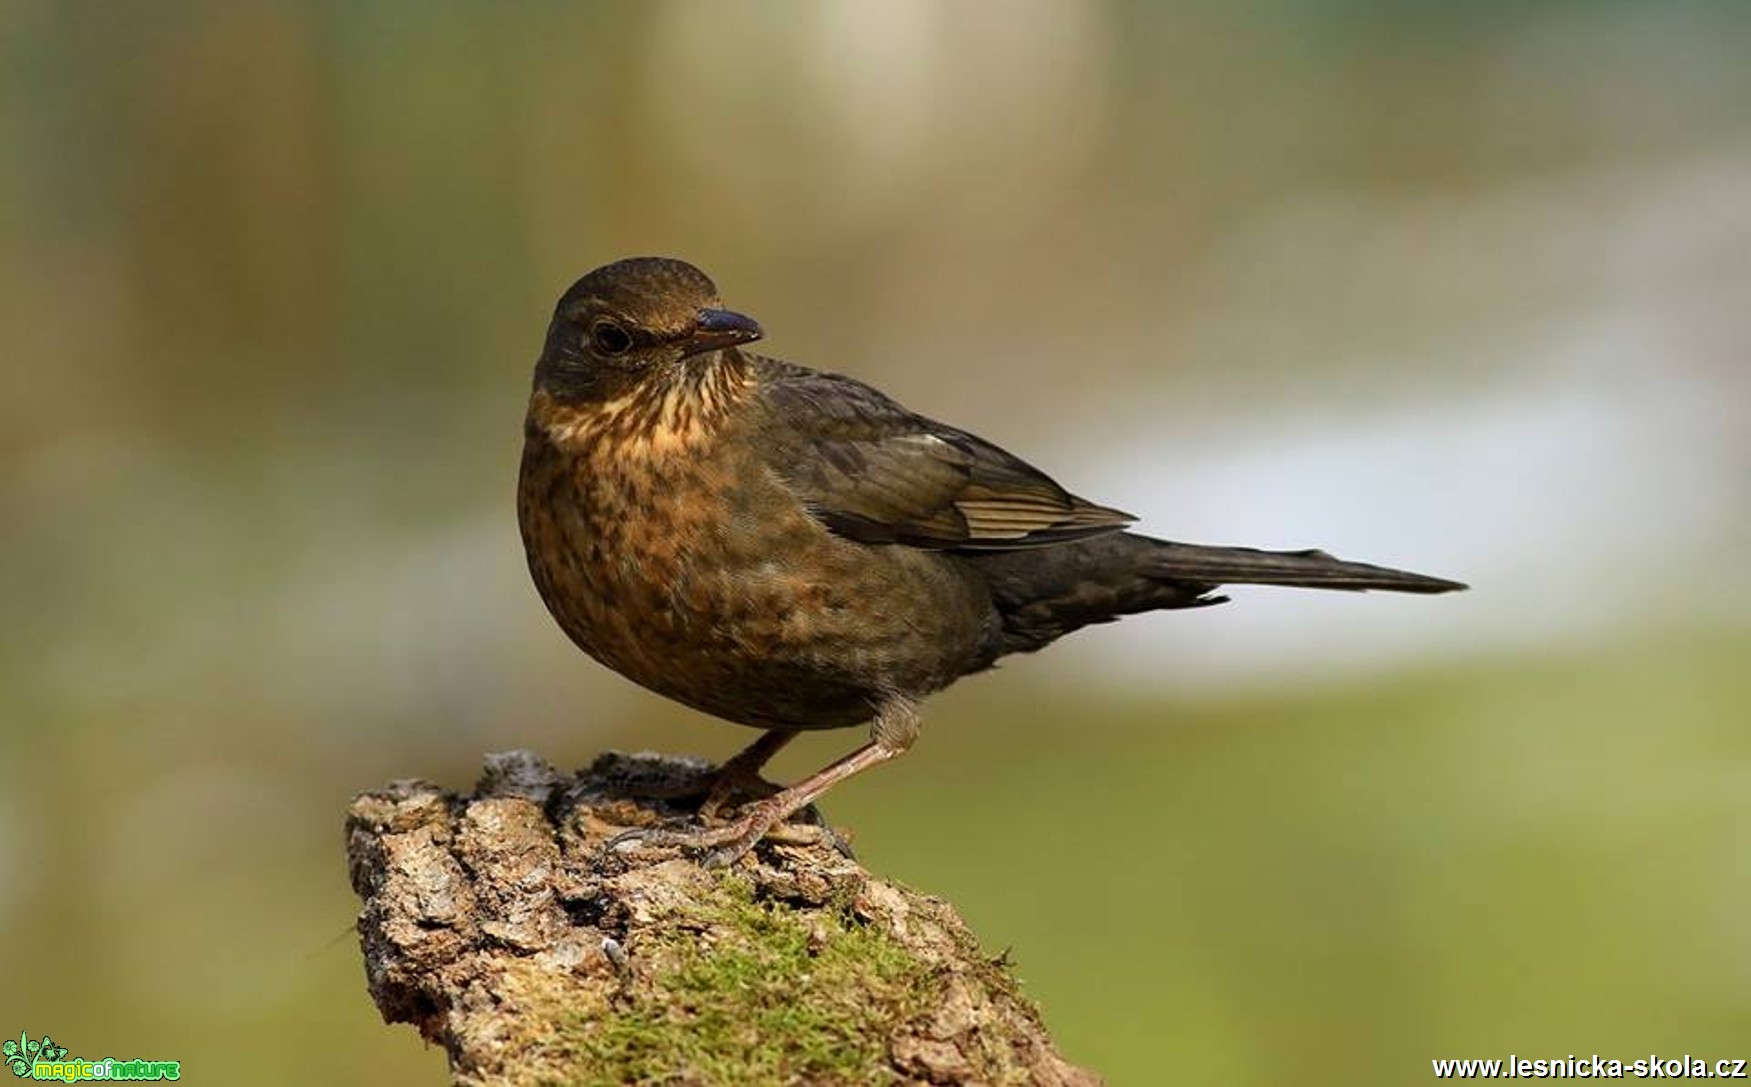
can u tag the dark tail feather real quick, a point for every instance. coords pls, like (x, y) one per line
(1303, 569)
(1044, 593)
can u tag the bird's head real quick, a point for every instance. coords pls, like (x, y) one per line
(632, 318)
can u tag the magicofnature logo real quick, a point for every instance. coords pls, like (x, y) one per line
(41, 1058)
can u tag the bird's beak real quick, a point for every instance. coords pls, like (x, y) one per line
(722, 328)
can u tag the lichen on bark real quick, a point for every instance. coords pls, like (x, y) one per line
(498, 924)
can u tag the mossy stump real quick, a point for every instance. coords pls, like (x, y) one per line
(499, 926)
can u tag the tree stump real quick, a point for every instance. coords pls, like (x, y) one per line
(500, 925)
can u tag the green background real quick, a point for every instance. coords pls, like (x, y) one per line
(1455, 287)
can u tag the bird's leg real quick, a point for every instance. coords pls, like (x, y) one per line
(740, 774)
(894, 729)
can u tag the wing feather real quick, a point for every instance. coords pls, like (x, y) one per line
(875, 472)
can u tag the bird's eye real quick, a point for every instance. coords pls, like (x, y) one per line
(609, 338)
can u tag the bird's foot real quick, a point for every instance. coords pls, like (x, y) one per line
(732, 841)
(727, 843)
(732, 785)
(738, 777)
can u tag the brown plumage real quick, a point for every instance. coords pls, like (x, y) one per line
(791, 549)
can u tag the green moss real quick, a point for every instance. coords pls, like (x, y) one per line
(744, 992)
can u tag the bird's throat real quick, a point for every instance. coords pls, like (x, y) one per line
(670, 410)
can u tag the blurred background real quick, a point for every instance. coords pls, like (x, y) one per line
(1462, 288)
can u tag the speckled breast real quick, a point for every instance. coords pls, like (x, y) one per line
(669, 552)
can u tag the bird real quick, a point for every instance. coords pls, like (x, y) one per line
(791, 549)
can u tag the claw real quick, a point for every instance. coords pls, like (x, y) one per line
(626, 838)
(728, 842)
(731, 841)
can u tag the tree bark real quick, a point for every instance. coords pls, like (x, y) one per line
(500, 925)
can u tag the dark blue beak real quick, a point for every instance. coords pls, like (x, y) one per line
(723, 328)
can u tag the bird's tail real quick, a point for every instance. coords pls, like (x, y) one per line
(1044, 593)
(1302, 569)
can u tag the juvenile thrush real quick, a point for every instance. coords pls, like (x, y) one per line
(791, 549)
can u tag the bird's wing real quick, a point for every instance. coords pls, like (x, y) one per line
(874, 472)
